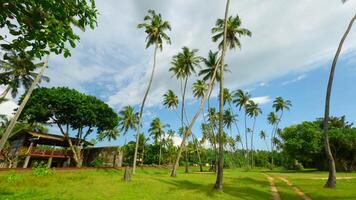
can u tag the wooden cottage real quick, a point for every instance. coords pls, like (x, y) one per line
(27, 147)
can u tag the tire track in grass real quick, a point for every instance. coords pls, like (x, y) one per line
(296, 189)
(273, 188)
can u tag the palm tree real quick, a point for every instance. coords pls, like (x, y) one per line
(18, 71)
(170, 101)
(227, 30)
(331, 182)
(128, 119)
(199, 89)
(156, 131)
(253, 111)
(14, 119)
(263, 136)
(272, 119)
(241, 98)
(234, 31)
(228, 98)
(155, 28)
(211, 65)
(184, 64)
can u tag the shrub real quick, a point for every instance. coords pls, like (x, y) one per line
(41, 169)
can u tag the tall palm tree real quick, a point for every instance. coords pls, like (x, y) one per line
(227, 30)
(253, 111)
(155, 28)
(184, 64)
(331, 182)
(17, 71)
(156, 131)
(241, 98)
(272, 119)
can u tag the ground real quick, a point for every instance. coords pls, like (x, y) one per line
(152, 183)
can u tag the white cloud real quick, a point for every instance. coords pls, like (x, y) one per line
(176, 140)
(7, 108)
(288, 37)
(301, 77)
(261, 100)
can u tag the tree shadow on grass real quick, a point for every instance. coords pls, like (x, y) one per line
(235, 190)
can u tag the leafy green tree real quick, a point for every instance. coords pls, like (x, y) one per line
(39, 28)
(155, 28)
(331, 182)
(157, 132)
(71, 111)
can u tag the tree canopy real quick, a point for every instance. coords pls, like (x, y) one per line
(41, 27)
(69, 108)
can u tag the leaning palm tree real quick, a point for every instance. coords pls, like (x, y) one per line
(155, 28)
(156, 131)
(184, 65)
(241, 98)
(18, 71)
(228, 30)
(253, 111)
(331, 182)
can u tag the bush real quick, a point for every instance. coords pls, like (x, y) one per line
(98, 162)
(41, 169)
(12, 177)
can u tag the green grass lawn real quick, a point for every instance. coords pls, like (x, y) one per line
(156, 184)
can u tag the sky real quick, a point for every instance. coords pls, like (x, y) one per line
(288, 55)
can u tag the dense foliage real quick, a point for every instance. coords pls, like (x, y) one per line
(304, 142)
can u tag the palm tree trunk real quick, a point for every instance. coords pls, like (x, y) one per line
(246, 138)
(142, 107)
(219, 178)
(237, 127)
(189, 129)
(22, 105)
(331, 182)
(5, 92)
(253, 129)
(275, 130)
(160, 155)
(182, 118)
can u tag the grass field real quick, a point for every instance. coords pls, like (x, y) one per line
(156, 184)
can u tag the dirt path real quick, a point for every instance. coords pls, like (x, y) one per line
(274, 190)
(296, 190)
(337, 178)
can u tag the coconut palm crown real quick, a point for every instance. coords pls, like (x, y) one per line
(155, 28)
(233, 32)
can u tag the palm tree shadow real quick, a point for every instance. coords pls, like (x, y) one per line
(232, 189)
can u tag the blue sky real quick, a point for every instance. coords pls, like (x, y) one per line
(288, 55)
